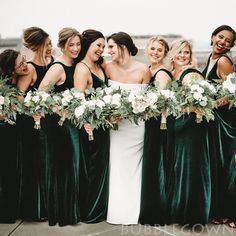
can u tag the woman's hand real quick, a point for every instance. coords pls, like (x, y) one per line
(88, 128)
(221, 102)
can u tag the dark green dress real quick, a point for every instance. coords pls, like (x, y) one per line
(32, 198)
(189, 185)
(94, 170)
(222, 141)
(8, 173)
(153, 190)
(62, 157)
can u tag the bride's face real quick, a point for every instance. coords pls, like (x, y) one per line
(113, 50)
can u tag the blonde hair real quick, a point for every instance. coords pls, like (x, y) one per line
(177, 46)
(162, 41)
(65, 34)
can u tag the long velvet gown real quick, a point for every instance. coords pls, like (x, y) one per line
(189, 185)
(8, 173)
(156, 146)
(32, 198)
(62, 158)
(94, 170)
(222, 141)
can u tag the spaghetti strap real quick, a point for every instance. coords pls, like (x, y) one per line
(86, 66)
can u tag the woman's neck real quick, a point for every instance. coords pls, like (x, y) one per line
(155, 67)
(68, 61)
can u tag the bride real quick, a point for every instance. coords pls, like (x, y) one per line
(126, 147)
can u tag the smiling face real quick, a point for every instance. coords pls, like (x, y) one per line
(21, 66)
(114, 50)
(47, 48)
(72, 47)
(96, 49)
(222, 42)
(182, 56)
(156, 52)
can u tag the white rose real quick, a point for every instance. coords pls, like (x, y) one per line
(197, 96)
(153, 97)
(79, 111)
(36, 98)
(107, 99)
(66, 92)
(108, 90)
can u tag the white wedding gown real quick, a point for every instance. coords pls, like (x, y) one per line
(126, 151)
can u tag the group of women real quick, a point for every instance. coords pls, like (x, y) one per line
(184, 174)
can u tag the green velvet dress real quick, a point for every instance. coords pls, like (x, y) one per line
(153, 190)
(32, 198)
(222, 140)
(189, 185)
(62, 158)
(8, 173)
(94, 170)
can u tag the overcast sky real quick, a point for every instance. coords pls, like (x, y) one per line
(193, 19)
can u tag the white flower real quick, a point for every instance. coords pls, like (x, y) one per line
(28, 97)
(197, 96)
(36, 98)
(44, 96)
(79, 95)
(2, 100)
(108, 90)
(79, 111)
(139, 107)
(107, 99)
(116, 100)
(229, 86)
(100, 103)
(153, 97)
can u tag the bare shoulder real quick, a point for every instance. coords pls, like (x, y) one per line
(225, 60)
(82, 69)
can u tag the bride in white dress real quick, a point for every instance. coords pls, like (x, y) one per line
(126, 147)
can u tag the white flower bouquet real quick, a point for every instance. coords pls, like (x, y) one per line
(37, 102)
(9, 104)
(64, 103)
(227, 89)
(101, 109)
(197, 96)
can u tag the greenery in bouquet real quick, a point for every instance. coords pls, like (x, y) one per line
(65, 103)
(37, 102)
(9, 103)
(227, 89)
(197, 96)
(102, 108)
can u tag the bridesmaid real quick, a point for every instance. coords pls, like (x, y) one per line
(189, 186)
(32, 199)
(12, 65)
(95, 154)
(62, 142)
(222, 131)
(153, 197)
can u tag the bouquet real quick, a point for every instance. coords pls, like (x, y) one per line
(227, 89)
(197, 96)
(37, 102)
(166, 104)
(64, 103)
(9, 104)
(101, 109)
